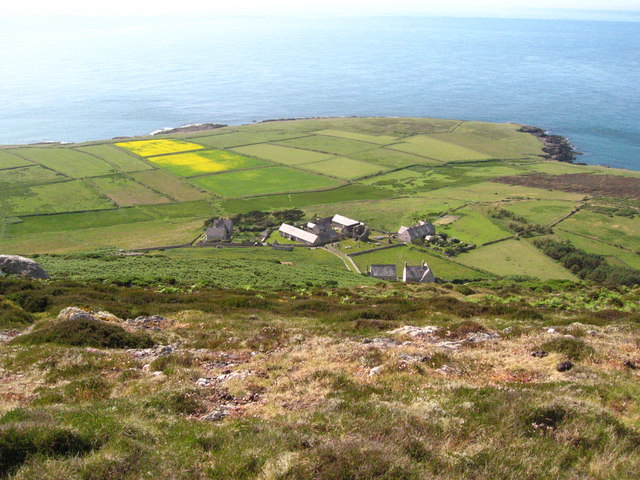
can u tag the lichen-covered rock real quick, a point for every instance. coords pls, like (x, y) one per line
(25, 267)
(75, 313)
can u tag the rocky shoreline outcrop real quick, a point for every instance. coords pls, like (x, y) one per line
(555, 147)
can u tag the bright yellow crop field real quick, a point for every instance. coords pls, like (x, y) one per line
(207, 161)
(149, 148)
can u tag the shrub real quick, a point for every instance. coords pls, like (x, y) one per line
(31, 301)
(12, 316)
(572, 348)
(17, 444)
(86, 333)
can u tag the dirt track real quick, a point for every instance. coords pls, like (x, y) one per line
(597, 185)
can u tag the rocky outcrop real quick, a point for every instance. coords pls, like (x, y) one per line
(24, 267)
(75, 313)
(555, 147)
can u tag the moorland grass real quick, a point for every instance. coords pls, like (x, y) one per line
(343, 167)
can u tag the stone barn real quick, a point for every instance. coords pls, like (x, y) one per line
(418, 274)
(220, 230)
(418, 232)
(383, 272)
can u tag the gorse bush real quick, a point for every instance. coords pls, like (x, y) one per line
(86, 333)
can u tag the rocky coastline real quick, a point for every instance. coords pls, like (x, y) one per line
(555, 147)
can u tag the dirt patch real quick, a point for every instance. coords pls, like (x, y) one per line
(446, 220)
(598, 185)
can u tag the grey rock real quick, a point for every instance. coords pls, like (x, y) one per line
(415, 331)
(215, 416)
(75, 313)
(564, 366)
(25, 267)
(539, 354)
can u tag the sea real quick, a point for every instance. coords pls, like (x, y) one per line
(76, 79)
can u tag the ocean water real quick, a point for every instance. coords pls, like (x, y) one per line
(83, 79)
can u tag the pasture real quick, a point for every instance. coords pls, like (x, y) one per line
(33, 175)
(169, 186)
(343, 167)
(614, 255)
(125, 192)
(240, 138)
(160, 146)
(474, 227)
(261, 181)
(9, 160)
(282, 154)
(204, 162)
(614, 230)
(362, 137)
(72, 163)
(327, 144)
(438, 149)
(515, 257)
(123, 160)
(542, 212)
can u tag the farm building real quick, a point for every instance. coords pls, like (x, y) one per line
(320, 225)
(418, 232)
(308, 238)
(344, 224)
(418, 274)
(220, 230)
(383, 272)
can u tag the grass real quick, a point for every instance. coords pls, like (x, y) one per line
(169, 186)
(475, 227)
(125, 192)
(34, 175)
(282, 154)
(203, 162)
(328, 144)
(342, 167)
(8, 160)
(247, 267)
(261, 181)
(161, 146)
(236, 139)
(363, 137)
(69, 162)
(53, 198)
(438, 149)
(515, 257)
(613, 254)
(540, 211)
(334, 197)
(392, 158)
(123, 160)
(614, 230)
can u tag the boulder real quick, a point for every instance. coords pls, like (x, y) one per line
(75, 313)
(25, 267)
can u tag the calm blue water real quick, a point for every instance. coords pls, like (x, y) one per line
(76, 80)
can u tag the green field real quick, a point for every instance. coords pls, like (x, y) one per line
(262, 181)
(124, 161)
(326, 144)
(9, 160)
(236, 139)
(342, 167)
(438, 149)
(615, 230)
(541, 211)
(515, 257)
(125, 192)
(351, 166)
(474, 227)
(282, 154)
(615, 255)
(34, 175)
(169, 186)
(69, 162)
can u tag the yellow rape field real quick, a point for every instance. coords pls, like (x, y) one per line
(207, 161)
(149, 148)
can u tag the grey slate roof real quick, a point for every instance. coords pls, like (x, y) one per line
(387, 272)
